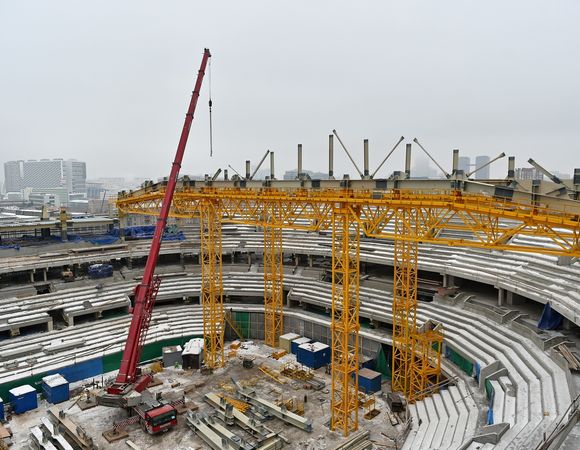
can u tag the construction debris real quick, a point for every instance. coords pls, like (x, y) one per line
(570, 357)
(238, 404)
(358, 441)
(273, 374)
(279, 354)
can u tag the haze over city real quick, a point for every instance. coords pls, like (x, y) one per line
(108, 83)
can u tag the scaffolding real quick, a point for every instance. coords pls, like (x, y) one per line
(345, 323)
(211, 283)
(426, 368)
(404, 300)
(273, 275)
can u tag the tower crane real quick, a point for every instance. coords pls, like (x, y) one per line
(153, 417)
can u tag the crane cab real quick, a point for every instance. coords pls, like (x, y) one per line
(156, 419)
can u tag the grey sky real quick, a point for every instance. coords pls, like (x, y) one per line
(109, 81)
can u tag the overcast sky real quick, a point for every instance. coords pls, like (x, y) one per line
(109, 82)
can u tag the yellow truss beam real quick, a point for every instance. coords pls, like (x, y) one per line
(486, 222)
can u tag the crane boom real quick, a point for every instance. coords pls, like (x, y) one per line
(146, 291)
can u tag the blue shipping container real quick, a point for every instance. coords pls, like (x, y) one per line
(55, 388)
(298, 342)
(314, 355)
(369, 381)
(23, 398)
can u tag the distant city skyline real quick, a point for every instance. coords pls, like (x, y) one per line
(421, 167)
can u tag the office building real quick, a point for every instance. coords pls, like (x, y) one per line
(464, 163)
(45, 175)
(13, 176)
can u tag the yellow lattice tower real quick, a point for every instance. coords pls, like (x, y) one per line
(426, 368)
(273, 275)
(345, 325)
(211, 282)
(404, 299)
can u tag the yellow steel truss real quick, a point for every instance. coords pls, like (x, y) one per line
(211, 283)
(405, 217)
(345, 324)
(426, 366)
(483, 222)
(273, 276)
(404, 299)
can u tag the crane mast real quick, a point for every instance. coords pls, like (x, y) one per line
(146, 292)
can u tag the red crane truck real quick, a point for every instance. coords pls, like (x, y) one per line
(154, 417)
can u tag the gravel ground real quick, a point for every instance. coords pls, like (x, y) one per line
(317, 407)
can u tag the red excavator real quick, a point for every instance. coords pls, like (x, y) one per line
(126, 390)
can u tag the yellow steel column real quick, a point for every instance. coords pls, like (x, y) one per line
(404, 299)
(345, 325)
(273, 275)
(211, 282)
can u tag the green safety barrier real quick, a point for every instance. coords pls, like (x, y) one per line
(488, 389)
(242, 320)
(383, 363)
(463, 363)
(110, 363)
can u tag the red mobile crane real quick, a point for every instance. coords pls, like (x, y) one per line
(154, 417)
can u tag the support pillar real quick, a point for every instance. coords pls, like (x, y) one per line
(345, 319)
(404, 300)
(366, 174)
(504, 297)
(408, 161)
(509, 298)
(273, 275)
(501, 296)
(299, 174)
(448, 280)
(564, 260)
(211, 283)
(45, 275)
(331, 157)
(122, 225)
(416, 353)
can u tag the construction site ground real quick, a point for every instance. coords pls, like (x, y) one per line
(174, 381)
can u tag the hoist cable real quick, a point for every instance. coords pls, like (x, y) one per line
(210, 118)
